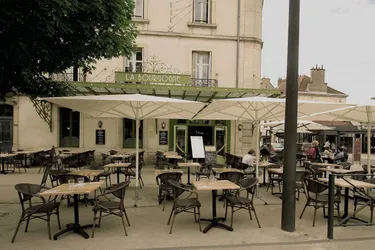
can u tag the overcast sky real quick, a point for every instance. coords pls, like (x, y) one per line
(339, 34)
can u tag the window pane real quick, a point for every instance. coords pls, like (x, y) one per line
(205, 58)
(198, 10)
(129, 134)
(138, 67)
(138, 10)
(138, 54)
(201, 11)
(69, 128)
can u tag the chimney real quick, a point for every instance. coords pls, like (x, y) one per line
(280, 81)
(317, 83)
(266, 83)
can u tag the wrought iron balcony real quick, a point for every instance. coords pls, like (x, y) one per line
(201, 82)
(68, 77)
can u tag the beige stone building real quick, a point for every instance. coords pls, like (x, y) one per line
(214, 47)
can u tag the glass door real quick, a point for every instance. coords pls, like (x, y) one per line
(180, 141)
(220, 141)
(6, 134)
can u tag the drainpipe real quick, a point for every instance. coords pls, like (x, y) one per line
(238, 42)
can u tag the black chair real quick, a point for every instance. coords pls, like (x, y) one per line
(315, 198)
(300, 177)
(181, 205)
(165, 190)
(272, 179)
(203, 172)
(345, 165)
(237, 202)
(361, 198)
(109, 207)
(26, 193)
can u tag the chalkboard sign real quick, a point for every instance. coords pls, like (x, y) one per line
(100, 136)
(163, 137)
(197, 147)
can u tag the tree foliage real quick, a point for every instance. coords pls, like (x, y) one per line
(42, 37)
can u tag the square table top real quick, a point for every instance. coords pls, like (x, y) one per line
(118, 165)
(179, 157)
(338, 170)
(206, 185)
(162, 171)
(281, 170)
(120, 156)
(170, 153)
(188, 164)
(224, 170)
(324, 165)
(7, 155)
(66, 189)
(344, 184)
(88, 172)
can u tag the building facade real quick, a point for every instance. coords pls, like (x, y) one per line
(189, 49)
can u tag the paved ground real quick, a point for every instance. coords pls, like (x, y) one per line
(148, 228)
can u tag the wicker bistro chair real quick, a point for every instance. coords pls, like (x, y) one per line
(300, 177)
(315, 197)
(361, 198)
(272, 179)
(165, 189)
(203, 172)
(109, 207)
(180, 205)
(17, 162)
(26, 193)
(314, 170)
(232, 176)
(237, 202)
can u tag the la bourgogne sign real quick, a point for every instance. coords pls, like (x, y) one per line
(151, 78)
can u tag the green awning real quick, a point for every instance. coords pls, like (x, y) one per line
(202, 94)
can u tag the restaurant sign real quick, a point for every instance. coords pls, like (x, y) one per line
(152, 78)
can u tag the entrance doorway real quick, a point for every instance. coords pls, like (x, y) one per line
(214, 134)
(6, 128)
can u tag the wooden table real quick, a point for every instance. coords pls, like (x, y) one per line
(224, 170)
(280, 171)
(75, 191)
(338, 171)
(122, 156)
(118, 166)
(207, 185)
(162, 171)
(173, 158)
(342, 183)
(265, 166)
(188, 165)
(87, 173)
(3, 156)
(324, 165)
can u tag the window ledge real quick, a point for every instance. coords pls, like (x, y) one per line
(202, 25)
(140, 20)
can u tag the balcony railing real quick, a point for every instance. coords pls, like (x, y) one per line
(68, 77)
(199, 82)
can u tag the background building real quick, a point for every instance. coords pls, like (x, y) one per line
(213, 46)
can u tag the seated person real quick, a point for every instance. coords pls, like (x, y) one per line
(313, 153)
(327, 152)
(249, 159)
(340, 156)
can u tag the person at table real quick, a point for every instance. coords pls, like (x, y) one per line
(327, 154)
(313, 154)
(249, 159)
(340, 156)
(333, 147)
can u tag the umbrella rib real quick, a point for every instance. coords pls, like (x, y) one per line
(246, 111)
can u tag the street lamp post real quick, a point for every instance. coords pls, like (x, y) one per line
(288, 219)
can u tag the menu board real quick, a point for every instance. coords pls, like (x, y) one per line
(163, 137)
(197, 147)
(100, 137)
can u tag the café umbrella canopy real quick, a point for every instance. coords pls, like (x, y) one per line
(303, 126)
(258, 109)
(136, 107)
(363, 113)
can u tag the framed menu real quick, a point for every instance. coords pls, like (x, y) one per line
(163, 137)
(100, 137)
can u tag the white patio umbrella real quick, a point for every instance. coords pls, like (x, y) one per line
(363, 113)
(303, 126)
(137, 107)
(259, 109)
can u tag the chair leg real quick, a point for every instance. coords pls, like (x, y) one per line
(58, 218)
(100, 219)
(126, 216)
(226, 209)
(27, 224)
(173, 217)
(123, 223)
(199, 219)
(195, 215)
(164, 201)
(170, 216)
(93, 224)
(231, 218)
(315, 208)
(256, 216)
(49, 225)
(372, 213)
(303, 211)
(18, 227)
(251, 217)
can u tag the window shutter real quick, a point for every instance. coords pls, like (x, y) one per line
(195, 60)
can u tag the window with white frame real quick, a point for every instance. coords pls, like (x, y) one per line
(201, 65)
(138, 8)
(135, 62)
(201, 10)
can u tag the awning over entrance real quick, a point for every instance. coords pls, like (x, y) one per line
(202, 94)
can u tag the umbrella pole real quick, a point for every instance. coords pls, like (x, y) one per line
(136, 162)
(369, 148)
(257, 141)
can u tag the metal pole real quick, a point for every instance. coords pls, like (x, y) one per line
(136, 161)
(331, 198)
(368, 148)
(288, 218)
